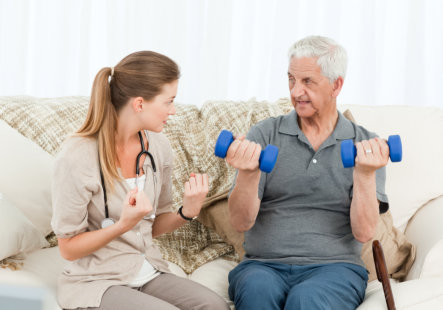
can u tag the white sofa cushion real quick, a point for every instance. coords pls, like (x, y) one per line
(425, 230)
(25, 178)
(412, 295)
(421, 155)
(215, 276)
(17, 234)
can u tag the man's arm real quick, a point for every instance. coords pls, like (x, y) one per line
(364, 206)
(244, 202)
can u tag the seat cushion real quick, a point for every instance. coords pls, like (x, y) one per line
(17, 234)
(412, 295)
(214, 275)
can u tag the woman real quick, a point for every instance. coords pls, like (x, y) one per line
(112, 194)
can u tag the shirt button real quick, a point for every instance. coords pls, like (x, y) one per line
(314, 161)
(138, 234)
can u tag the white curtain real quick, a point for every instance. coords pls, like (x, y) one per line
(227, 49)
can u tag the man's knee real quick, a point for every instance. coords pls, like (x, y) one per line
(256, 288)
(254, 281)
(307, 296)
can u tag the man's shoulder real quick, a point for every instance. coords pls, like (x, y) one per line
(269, 124)
(362, 133)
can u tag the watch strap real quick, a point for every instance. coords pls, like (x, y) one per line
(180, 212)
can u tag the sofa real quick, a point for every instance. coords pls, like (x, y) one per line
(206, 249)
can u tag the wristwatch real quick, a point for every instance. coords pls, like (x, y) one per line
(180, 211)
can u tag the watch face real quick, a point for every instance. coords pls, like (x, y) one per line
(107, 222)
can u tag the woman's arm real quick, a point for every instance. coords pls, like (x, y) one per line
(196, 190)
(135, 207)
(88, 242)
(166, 223)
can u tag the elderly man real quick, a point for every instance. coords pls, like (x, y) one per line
(305, 222)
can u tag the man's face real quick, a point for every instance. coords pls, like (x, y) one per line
(311, 92)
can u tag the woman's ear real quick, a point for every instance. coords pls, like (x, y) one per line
(137, 104)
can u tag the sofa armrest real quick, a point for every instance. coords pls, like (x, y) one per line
(425, 231)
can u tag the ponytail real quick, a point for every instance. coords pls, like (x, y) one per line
(101, 123)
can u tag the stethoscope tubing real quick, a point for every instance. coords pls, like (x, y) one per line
(109, 221)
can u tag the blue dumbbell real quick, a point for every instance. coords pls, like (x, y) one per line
(268, 157)
(348, 151)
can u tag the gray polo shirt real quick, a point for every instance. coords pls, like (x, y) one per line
(304, 215)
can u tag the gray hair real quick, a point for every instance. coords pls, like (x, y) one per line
(332, 57)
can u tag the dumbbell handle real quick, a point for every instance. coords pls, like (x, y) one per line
(268, 156)
(349, 151)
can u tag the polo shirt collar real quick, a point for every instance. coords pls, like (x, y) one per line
(343, 130)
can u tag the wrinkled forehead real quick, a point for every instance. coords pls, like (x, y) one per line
(303, 66)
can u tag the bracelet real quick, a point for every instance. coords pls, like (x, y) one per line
(180, 212)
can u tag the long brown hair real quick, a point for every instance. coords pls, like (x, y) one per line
(141, 74)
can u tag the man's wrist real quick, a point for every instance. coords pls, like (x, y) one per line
(249, 174)
(364, 175)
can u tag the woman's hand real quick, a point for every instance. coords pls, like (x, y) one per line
(135, 207)
(196, 190)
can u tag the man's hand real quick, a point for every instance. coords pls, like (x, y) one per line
(243, 154)
(371, 155)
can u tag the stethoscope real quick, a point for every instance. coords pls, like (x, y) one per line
(107, 221)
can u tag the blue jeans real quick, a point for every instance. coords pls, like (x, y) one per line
(255, 285)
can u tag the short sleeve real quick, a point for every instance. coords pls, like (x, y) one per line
(165, 200)
(72, 189)
(380, 179)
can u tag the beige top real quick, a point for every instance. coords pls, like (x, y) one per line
(78, 206)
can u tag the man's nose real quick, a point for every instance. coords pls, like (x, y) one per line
(297, 90)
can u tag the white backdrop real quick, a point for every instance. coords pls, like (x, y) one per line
(227, 49)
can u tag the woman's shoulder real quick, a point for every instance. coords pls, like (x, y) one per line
(162, 144)
(77, 147)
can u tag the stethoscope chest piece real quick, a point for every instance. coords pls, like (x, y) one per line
(107, 222)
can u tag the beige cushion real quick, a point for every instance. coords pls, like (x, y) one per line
(216, 217)
(398, 251)
(17, 234)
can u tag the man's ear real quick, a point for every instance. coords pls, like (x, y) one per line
(336, 86)
(137, 104)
